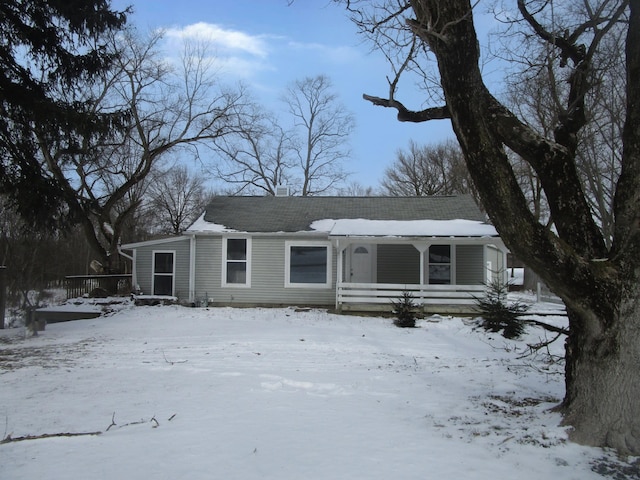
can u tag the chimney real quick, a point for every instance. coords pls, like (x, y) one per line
(282, 191)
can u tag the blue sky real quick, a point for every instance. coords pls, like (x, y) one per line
(268, 44)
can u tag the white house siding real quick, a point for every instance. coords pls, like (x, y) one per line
(144, 265)
(470, 269)
(267, 276)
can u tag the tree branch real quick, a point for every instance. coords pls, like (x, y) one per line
(568, 48)
(10, 439)
(548, 326)
(406, 115)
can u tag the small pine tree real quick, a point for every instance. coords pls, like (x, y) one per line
(500, 315)
(405, 310)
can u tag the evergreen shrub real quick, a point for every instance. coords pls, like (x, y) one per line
(405, 310)
(498, 314)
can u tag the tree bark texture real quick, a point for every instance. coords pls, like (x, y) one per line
(599, 287)
(3, 293)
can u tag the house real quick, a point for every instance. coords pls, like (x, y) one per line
(351, 253)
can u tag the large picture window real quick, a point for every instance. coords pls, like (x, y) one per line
(440, 264)
(236, 269)
(163, 272)
(308, 265)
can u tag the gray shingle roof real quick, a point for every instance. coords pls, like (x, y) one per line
(295, 214)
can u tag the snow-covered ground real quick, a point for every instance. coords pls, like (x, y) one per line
(170, 392)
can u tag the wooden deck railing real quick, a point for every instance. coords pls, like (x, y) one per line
(433, 298)
(81, 285)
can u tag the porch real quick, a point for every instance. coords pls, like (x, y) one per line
(444, 299)
(443, 274)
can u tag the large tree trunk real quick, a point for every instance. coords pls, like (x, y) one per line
(600, 288)
(602, 400)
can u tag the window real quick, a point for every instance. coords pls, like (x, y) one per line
(163, 272)
(236, 267)
(440, 264)
(308, 264)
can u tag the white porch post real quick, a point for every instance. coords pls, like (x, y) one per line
(422, 248)
(134, 270)
(505, 268)
(339, 268)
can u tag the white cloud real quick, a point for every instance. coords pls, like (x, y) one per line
(235, 53)
(243, 55)
(223, 39)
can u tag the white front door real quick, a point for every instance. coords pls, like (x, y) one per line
(362, 256)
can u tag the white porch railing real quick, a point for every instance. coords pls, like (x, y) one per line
(434, 298)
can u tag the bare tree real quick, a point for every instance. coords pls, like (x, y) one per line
(323, 127)
(600, 284)
(428, 170)
(36, 258)
(262, 155)
(258, 156)
(599, 153)
(22, 251)
(535, 94)
(176, 198)
(171, 109)
(356, 189)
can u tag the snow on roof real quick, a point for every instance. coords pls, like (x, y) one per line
(201, 225)
(379, 228)
(405, 228)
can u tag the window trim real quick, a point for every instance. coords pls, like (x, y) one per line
(287, 264)
(247, 261)
(154, 273)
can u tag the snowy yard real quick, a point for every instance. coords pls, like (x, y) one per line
(170, 392)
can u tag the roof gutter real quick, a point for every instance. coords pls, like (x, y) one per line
(125, 255)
